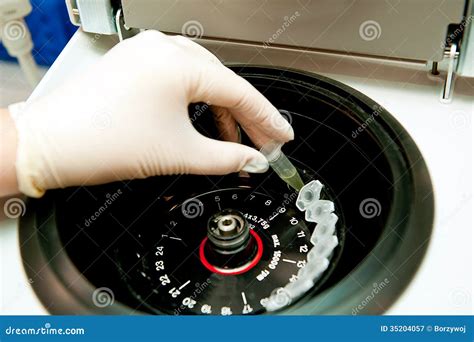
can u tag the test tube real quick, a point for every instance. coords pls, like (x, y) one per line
(281, 165)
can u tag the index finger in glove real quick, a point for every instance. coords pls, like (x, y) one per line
(220, 86)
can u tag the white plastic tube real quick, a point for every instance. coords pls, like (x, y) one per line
(30, 69)
(17, 40)
(282, 165)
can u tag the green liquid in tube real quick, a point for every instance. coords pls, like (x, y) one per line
(287, 171)
(282, 165)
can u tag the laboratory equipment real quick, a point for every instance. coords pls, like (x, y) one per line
(282, 165)
(16, 37)
(158, 263)
(374, 186)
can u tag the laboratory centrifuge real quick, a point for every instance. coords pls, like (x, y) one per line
(156, 245)
(359, 89)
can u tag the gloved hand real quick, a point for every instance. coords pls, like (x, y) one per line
(127, 118)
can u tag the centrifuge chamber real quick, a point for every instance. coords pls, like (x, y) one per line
(370, 167)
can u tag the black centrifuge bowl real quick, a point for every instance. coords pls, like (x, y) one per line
(351, 144)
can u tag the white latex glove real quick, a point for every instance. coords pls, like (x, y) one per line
(127, 117)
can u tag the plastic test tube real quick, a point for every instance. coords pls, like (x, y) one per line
(281, 165)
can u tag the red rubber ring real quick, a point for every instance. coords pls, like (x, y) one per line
(213, 269)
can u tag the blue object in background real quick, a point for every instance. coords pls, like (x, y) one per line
(50, 30)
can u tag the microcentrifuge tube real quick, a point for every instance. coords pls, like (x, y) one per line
(281, 165)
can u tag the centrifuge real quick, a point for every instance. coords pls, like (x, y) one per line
(381, 208)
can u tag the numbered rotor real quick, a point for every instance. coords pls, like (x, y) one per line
(222, 252)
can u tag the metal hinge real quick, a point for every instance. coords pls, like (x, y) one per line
(452, 54)
(456, 33)
(123, 30)
(450, 62)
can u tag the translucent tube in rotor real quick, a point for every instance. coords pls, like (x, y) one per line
(282, 165)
